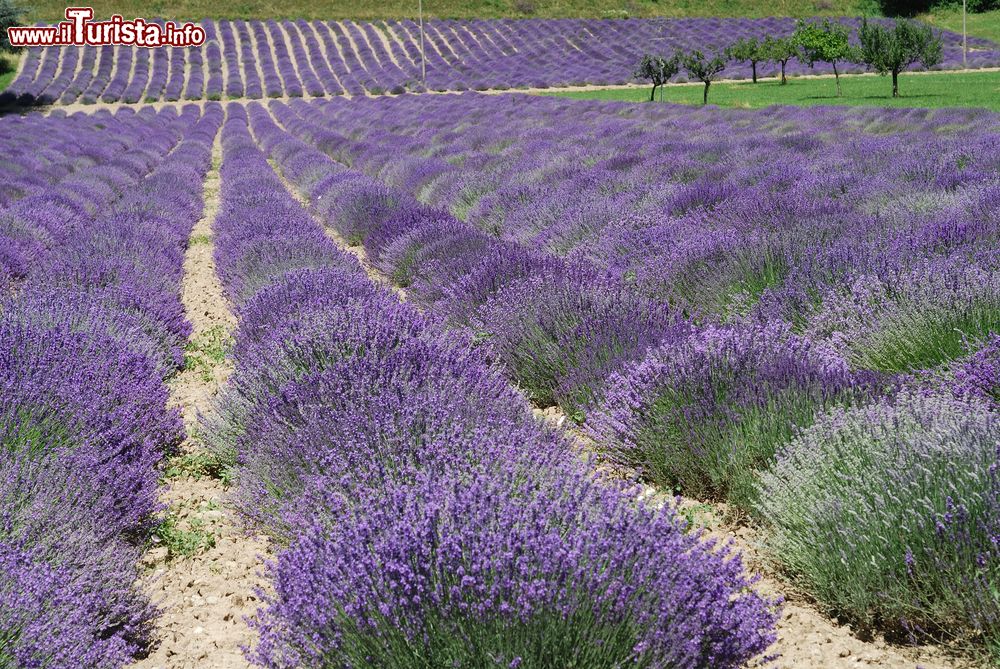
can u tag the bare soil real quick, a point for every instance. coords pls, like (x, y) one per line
(204, 597)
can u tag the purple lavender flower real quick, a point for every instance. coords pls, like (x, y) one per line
(979, 376)
(484, 569)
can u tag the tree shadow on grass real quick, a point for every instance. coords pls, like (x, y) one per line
(876, 98)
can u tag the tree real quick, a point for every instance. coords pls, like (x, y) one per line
(780, 50)
(10, 15)
(747, 49)
(824, 43)
(657, 69)
(892, 50)
(703, 68)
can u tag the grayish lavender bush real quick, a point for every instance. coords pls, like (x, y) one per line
(889, 514)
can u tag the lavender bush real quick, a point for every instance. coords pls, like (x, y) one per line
(378, 417)
(52, 617)
(364, 435)
(801, 271)
(561, 337)
(90, 325)
(505, 570)
(888, 514)
(979, 376)
(928, 317)
(704, 414)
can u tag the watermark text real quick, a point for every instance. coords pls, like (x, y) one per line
(80, 29)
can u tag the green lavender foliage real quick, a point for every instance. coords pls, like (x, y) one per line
(888, 515)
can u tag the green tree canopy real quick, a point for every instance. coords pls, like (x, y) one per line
(780, 50)
(747, 49)
(826, 42)
(703, 68)
(892, 50)
(10, 15)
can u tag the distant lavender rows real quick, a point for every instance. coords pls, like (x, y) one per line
(310, 59)
(94, 218)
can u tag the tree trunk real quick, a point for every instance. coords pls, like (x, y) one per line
(753, 66)
(652, 93)
(704, 98)
(895, 83)
(836, 75)
(783, 80)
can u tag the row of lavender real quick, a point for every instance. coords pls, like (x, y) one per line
(798, 313)
(92, 231)
(295, 59)
(422, 515)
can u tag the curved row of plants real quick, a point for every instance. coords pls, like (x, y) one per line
(423, 517)
(39, 151)
(91, 325)
(869, 459)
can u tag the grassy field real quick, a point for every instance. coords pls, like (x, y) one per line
(52, 10)
(8, 68)
(975, 89)
(985, 25)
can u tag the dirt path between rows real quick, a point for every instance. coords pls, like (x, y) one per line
(204, 596)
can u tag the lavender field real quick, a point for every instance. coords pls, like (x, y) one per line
(316, 59)
(795, 313)
(473, 359)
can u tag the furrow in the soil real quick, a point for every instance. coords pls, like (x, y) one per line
(205, 596)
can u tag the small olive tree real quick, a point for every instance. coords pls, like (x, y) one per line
(703, 68)
(658, 70)
(826, 42)
(747, 49)
(892, 50)
(780, 50)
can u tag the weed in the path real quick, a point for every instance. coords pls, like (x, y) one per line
(207, 351)
(180, 541)
(196, 466)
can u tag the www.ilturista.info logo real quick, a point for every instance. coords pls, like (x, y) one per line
(78, 29)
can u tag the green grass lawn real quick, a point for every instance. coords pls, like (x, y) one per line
(974, 89)
(53, 10)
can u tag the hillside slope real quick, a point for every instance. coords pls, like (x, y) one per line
(52, 10)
